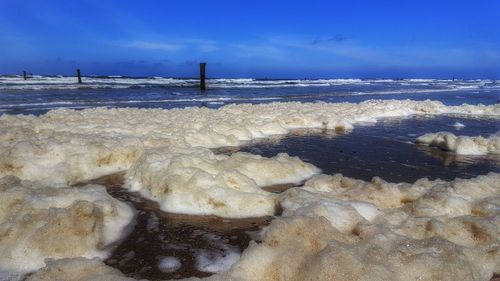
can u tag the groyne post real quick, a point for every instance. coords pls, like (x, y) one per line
(78, 74)
(202, 76)
(24, 75)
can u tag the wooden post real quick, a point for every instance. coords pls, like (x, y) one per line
(202, 76)
(79, 76)
(24, 75)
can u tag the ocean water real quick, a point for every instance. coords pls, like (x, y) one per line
(40, 94)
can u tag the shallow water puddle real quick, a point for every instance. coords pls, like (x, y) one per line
(173, 246)
(386, 150)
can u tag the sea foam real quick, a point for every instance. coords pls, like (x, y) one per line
(64, 147)
(39, 222)
(463, 145)
(336, 227)
(331, 228)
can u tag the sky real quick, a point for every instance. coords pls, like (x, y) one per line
(257, 39)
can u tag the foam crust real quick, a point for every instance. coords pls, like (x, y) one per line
(65, 146)
(39, 222)
(338, 228)
(199, 182)
(78, 269)
(463, 145)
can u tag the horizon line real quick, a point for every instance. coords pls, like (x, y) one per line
(256, 78)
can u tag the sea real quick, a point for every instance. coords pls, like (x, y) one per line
(39, 94)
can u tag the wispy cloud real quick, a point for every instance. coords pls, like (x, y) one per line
(154, 46)
(202, 45)
(208, 48)
(338, 38)
(197, 45)
(261, 50)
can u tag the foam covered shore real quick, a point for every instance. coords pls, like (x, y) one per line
(168, 157)
(339, 228)
(199, 182)
(39, 222)
(462, 144)
(64, 146)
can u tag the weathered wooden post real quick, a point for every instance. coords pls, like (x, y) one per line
(79, 76)
(24, 75)
(202, 76)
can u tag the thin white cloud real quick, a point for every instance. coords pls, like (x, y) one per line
(208, 48)
(257, 51)
(200, 45)
(355, 52)
(154, 46)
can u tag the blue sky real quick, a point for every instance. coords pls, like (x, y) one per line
(274, 39)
